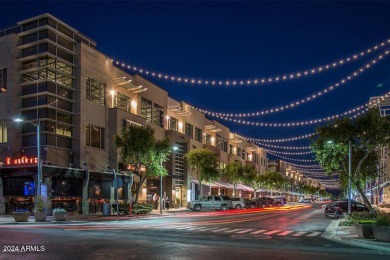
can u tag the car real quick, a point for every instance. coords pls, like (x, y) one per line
(238, 203)
(263, 202)
(211, 202)
(279, 200)
(306, 200)
(340, 208)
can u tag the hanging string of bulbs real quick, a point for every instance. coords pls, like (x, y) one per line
(257, 81)
(290, 159)
(307, 99)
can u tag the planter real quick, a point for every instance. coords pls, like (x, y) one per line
(364, 230)
(40, 216)
(60, 216)
(382, 233)
(21, 216)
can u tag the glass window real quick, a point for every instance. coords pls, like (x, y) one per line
(29, 64)
(64, 130)
(29, 38)
(3, 131)
(95, 136)
(122, 101)
(173, 123)
(65, 56)
(65, 31)
(189, 131)
(95, 91)
(65, 43)
(158, 115)
(230, 149)
(29, 51)
(207, 139)
(64, 68)
(243, 154)
(198, 134)
(146, 109)
(221, 143)
(29, 26)
(238, 151)
(3, 80)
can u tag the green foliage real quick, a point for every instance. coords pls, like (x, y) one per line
(205, 163)
(252, 177)
(272, 180)
(360, 218)
(59, 211)
(140, 148)
(383, 220)
(137, 209)
(365, 134)
(41, 204)
(234, 173)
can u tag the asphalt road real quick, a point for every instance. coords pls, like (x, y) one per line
(244, 234)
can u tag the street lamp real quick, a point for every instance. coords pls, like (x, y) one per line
(38, 126)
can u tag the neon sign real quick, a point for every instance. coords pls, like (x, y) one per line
(21, 160)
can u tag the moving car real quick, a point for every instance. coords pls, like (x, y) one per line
(305, 200)
(340, 208)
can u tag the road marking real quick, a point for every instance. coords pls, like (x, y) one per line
(314, 234)
(245, 231)
(285, 233)
(205, 229)
(298, 234)
(185, 227)
(272, 232)
(258, 232)
(219, 230)
(308, 215)
(233, 230)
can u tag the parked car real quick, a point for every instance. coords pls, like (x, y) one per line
(339, 208)
(263, 202)
(238, 203)
(305, 200)
(211, 202)
(279, 200)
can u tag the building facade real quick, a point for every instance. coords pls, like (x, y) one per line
(52, 76)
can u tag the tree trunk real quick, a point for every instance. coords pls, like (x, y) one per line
(361, 192)
(141, 181)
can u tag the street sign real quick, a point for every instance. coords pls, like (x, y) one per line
(117, 183)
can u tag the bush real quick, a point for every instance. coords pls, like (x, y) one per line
(137, 208)
(59, 210)
(21, 210)
(383, 220)
(360, 218)
(41, 204)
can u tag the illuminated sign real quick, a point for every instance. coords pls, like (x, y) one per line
(21, 160)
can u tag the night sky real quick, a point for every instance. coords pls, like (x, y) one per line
(238, 41)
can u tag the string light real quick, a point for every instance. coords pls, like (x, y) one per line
(282, 140)
(258, 81)
(290, 153)
(296, 124)
(290, 159)
(307, 99)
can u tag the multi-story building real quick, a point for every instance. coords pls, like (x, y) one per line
(53, 77)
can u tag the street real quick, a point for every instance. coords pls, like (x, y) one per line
(250, 234)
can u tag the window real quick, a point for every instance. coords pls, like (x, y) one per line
(146, 109)
(230, 149)
(207, 139)
(3, 131)
(122, 102)
(3, 80)
(95, 91)
(198, 134)
(94, 136)
(221, 143)
(238, 151)
(158, 115)
(189, 131)
(243, 154)
(173, 123)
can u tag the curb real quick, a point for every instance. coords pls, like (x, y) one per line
(330, 234)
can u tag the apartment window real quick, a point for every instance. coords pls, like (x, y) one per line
(173, 123)
(158, 115)
(230, 149)
(122, 102)
(207, 139)
(3, 131)
(95, 90)
(243, 154)
(238, 151)
(3, 80)
(189, 130)
(146, 109)
(94, 136)
(198, 134)
(221, 143)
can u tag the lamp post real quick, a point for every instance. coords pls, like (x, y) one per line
(39, 169)
(349, 175)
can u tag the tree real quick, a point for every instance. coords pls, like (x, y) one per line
(252, 178)
(365, 134)
(234, 173)
(272, 180)
(205, 163)
(143, 151)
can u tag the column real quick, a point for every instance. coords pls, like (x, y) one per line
(48, 182)
(112, 197)
(85, 199)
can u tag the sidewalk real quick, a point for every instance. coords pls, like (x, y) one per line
(347, 235)
(78, 218)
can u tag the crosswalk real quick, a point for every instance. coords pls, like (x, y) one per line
(238, 231)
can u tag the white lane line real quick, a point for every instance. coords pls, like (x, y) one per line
(258, 232)
(272, 232)
(185, 227)
(205, 229)
(233, 230)
(298, 234)
(245, 231)
(219, 230)
(308, 215)
(285, 233)
(313, 234)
